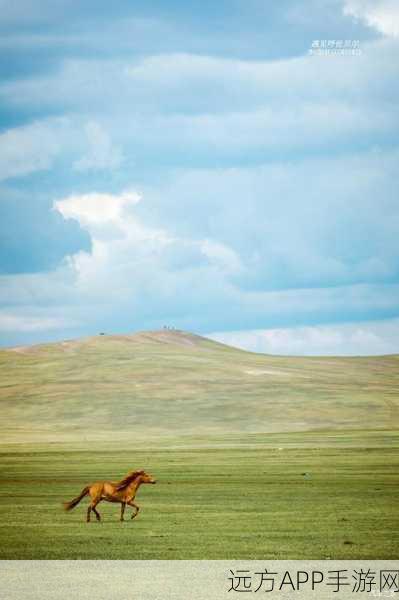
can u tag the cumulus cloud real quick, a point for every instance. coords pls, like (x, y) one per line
(269, 186)
(97, 208)
(139, 275)
(382, 15)
(135, 259)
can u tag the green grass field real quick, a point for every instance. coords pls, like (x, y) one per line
(256, 456)
(303, 496)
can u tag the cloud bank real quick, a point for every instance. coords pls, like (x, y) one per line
(350, 339)
(152, 172)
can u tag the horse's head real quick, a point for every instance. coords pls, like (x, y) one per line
(146, 478)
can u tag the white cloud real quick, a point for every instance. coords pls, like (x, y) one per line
(268, 105)
(126, 284)
(219, 247)
(131, 259)
(382, 15)
(305, 223)
(97, 208)
(143, 269)
(102, 154)
(11, 322)
(224, 248)
(362, 339)
(222, 256)
(31, 148)
(37, 147)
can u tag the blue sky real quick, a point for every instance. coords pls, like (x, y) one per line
(193, 164)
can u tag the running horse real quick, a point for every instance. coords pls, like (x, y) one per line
(123, 491)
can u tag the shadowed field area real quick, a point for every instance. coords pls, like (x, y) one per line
(303, 495)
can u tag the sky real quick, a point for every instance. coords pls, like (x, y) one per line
(204, 166)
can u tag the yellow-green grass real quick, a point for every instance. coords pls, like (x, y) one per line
(166, 383)
(256, 456)
(303, 495)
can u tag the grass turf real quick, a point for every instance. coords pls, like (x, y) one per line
(302, 496)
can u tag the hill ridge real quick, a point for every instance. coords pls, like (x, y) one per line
(164, 336)
(169, 382)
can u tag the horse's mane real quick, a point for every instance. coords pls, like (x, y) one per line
(123, 483)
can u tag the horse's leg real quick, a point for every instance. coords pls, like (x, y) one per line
(123, 506)
(95, 496)
(133, 505)
(98, 516)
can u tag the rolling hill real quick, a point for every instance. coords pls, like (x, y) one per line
(167, 383)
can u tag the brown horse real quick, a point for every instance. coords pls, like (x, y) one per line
(123, 491)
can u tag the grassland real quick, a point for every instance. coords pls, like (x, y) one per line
(170, 383)
(256, 456)
(307, 495)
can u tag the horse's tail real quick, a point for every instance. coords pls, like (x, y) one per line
(70, 505)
